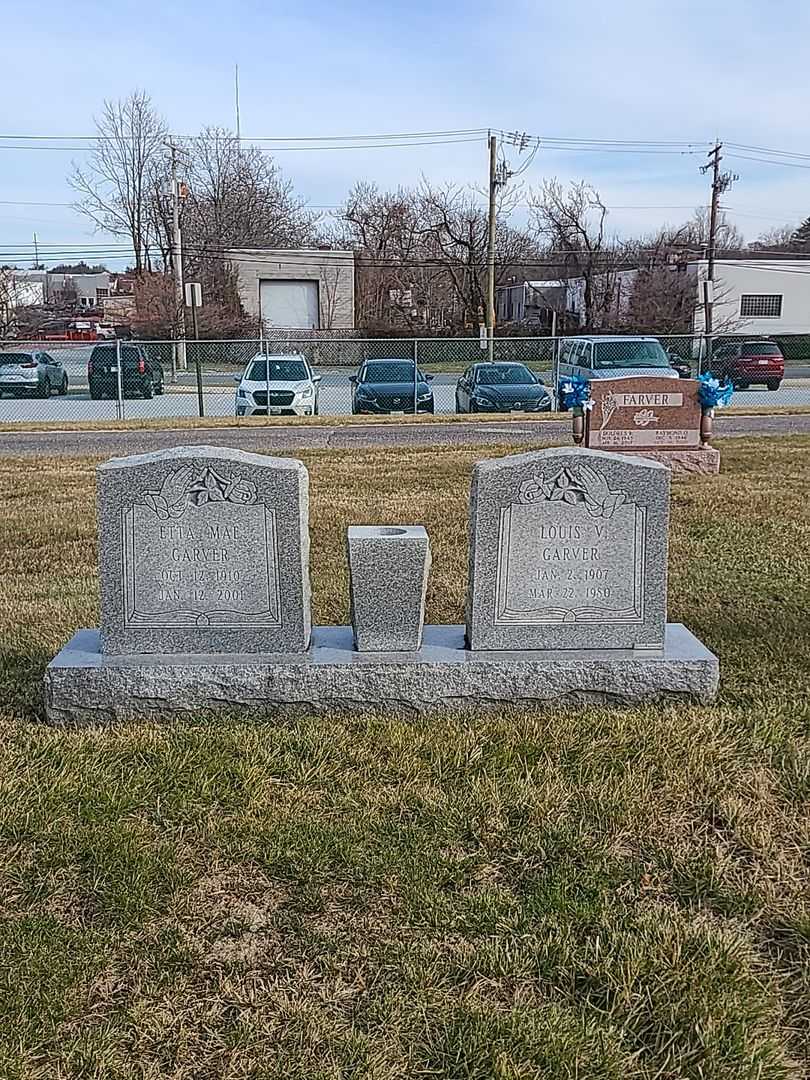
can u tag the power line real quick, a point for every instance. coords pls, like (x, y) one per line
(385, 137)
(619, 142)
(21, 202)
(766, 150)
(339, 206)
(263, 138)
(282, 149)
(388, 140)
(768, 161)
(552, 258)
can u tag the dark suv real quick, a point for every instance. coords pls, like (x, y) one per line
(140, 373)
(746, 362)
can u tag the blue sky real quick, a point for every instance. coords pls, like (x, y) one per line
(654, 70)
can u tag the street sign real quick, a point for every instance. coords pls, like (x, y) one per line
(482, 338)
(193, 294)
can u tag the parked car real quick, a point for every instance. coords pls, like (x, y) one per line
(503, 387)
(31, 372)
(681, 366)
(744, 363)
(140, 372)
(388, 386)
(277, 386)
(609, 357)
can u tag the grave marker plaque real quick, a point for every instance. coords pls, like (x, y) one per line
(568, 551)
(203, 550)
(643, 414)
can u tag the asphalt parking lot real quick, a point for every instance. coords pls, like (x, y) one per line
(180, 399)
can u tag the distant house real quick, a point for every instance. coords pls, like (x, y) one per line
(298, 289)
(537, 304)
(83, 290)
(756, 296)
(760, 297)
(79, 290)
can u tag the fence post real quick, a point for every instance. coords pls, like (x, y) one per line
(266, 383)
(200, 399)
(119, 382)
(415, 374)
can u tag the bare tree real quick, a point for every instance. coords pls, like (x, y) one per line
(156, 313)
(385, 231)
(456, 237)
(661, 300)
(65, 295)
(115, 183)
(692, 237)
(330, 295)
(572, 222)
(11, 300)
(236, 198)
(776, 239)
(421, 253)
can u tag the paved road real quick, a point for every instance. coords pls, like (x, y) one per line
(282, 437)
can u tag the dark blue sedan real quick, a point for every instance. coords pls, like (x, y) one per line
(391, 386)
(507, 387)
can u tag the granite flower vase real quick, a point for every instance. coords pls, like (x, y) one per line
(388, 573)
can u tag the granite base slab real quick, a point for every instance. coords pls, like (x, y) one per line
(84, 687)
(704, 462)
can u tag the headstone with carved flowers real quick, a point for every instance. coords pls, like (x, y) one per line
(568, 550)
(203, 550)
(205, 598)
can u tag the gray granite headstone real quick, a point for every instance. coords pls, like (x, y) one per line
(568, 550)
(388, 574)
(203, 550)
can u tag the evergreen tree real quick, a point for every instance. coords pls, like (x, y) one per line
(800, 241)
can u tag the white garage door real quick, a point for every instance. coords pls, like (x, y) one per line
(290, 304)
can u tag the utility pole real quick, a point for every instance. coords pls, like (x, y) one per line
(193, 298)
(36, 253)
(721, 182)
(493, 190)
(238, 124)
(179, 357)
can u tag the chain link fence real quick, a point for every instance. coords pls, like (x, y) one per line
(309, 374)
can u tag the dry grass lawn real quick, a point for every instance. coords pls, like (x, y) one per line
(173, 423)
(596, 894)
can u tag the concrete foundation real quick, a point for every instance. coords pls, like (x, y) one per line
(705, 461)
(84, 687)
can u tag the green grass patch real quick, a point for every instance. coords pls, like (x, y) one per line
(600, 893)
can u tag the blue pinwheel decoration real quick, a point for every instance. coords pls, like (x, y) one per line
(575, 393)
(713, 394)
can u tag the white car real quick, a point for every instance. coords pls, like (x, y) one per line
(277, 386)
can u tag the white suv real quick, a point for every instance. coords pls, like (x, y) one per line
(277, 386)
